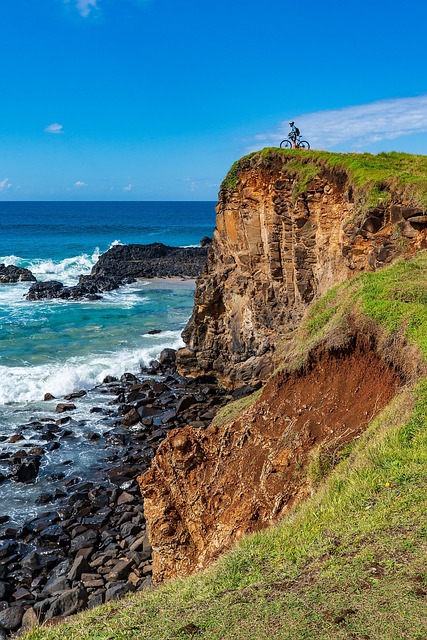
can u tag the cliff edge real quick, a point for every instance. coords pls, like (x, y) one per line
(290, 225)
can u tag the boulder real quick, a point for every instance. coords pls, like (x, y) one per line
(12, 273)
(62, 407)
(80, 566)
(44, 290)
(11, 618)
(167, 357)
(25, 470)
(68, 603)
(118, 590)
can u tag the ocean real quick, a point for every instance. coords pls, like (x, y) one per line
(60, 347)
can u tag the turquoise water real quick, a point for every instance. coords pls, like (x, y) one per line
(59, 347)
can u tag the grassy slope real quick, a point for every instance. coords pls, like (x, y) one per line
(351, 561)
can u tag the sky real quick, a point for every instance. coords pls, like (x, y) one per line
(155, 99)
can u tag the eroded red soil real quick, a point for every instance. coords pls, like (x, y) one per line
(206, 488)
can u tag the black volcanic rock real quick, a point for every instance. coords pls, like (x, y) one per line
(45, 290)
(15, 274)
(123, 264)
(150, 261)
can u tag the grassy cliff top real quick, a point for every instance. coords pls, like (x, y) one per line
(350, 561)
(374, 178)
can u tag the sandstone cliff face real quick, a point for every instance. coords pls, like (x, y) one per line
(272, 254)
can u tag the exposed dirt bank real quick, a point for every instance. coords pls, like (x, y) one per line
(206, 488)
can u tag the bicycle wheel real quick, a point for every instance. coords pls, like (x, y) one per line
(286, 144)
(303, 144)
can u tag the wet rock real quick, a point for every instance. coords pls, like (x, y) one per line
(93, 435)
(25, 470)
(11, 618)
(62, 407)
(11, 273)
(122, 264)
(17, 437)
(130, 418)
(44, 290)
(167, 357)
(48, 396)
(76, 394)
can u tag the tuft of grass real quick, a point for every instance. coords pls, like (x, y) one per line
(232, 410)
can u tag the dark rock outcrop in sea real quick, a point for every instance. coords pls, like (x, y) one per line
(123, 264)
(12, 273)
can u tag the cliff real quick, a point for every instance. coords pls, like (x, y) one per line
(289, 227)
(331, 451)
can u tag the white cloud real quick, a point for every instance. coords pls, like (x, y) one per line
(79, 184)
(54, 128)
(84, 7)
(357, 126)
(5, 184)
(129, 187)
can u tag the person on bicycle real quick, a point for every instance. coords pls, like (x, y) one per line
(294, 132)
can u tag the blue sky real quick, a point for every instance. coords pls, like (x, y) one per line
(154, 99)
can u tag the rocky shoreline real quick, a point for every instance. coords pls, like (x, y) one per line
(90, 545)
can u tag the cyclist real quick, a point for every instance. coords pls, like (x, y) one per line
(294, 132)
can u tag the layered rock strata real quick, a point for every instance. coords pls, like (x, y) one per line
(288, 228)
(273, 252)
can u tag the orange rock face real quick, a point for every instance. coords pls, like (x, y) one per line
(272, 254)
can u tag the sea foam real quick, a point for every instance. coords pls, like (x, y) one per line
(30, 383)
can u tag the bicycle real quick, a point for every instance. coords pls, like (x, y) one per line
(299, 143)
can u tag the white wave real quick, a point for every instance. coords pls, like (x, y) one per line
(29, 384)
(12, 294)
(66, 271)
(125, 297)
(15, 260)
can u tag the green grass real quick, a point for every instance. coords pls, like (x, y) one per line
(348, 563)
(232, 410)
